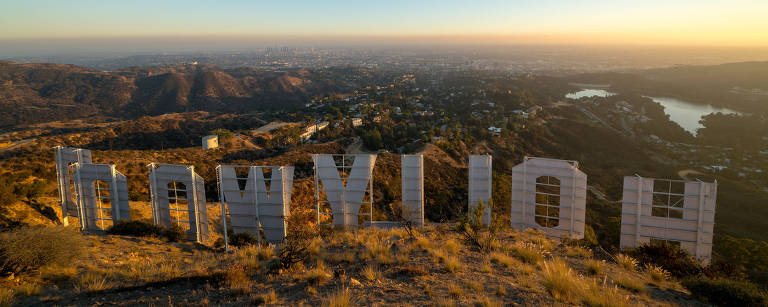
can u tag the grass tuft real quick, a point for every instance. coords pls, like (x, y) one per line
(560, 280)
(656, 273)
(626, 262)
(371, 273)
(629, 282)
(339, 298)
(452, 264)
(527, 253)
(593, 267)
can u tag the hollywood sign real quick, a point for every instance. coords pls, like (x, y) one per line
(546, 194)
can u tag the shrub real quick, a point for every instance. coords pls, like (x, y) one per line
(236, 279)
(626, 262)
(578, 252)
(656, 273)
(242, 239)
(317, 275)
(726, 292)
(475, 233)
(6, 297)
(135, 228)
(175, 234)
(669, 257)
(269, 298)
(29, 248)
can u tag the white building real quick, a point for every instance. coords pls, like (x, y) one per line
(211, 141)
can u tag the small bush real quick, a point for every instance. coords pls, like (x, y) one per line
(175, 234)
(669, 257)
(135, 228)
(474, 286)
(726, 292)
(626, 262)
(29, 248)
(91, 282)
(593, 267)
(236, 278)
(578, 252)
(242, 239)
(656, 273)
(455, 290)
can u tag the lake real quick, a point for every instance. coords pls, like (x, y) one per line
(684, 113)
(687, 114)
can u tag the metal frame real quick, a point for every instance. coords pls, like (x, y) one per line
(90, 200)
(321, 188)
(65, 174)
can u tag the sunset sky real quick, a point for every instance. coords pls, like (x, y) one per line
(682, 22)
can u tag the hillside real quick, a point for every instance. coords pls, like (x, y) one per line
(35, 93)
(741, 86)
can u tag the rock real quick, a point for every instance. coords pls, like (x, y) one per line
(355, 283)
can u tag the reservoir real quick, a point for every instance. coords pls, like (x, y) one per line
(687, 114)
(684, 113)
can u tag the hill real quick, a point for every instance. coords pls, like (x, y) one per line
(35, 93)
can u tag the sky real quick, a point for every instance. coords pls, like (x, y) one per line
(672, 22)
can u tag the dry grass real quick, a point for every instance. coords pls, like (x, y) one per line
(371, 273)
(6, 297)
(423, 243)
(452, 246)
(445, 302)
(626, 262)
(600, 295)
(593, 267)
(317, 275)
(528, 253)
(91, 281)
(560, 281)
(629, 282)
(474, 286)
(339, 298)
(501, 290)
(268, 298)
(455, 290)
(236, 279)
(488, 302)
(377, 250)
(503, 259)
(452, 264)
(578, 252)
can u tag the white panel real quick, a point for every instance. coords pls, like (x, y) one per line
(345, 201)
(412, 172)
(159, 177)
(480, 185)
(693, 228)
(262, 203)
(572, 197)
(101, 216)
(65, 156)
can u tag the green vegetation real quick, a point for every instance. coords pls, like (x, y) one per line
(726, 292)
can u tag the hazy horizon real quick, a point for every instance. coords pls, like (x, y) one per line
(682, 23)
